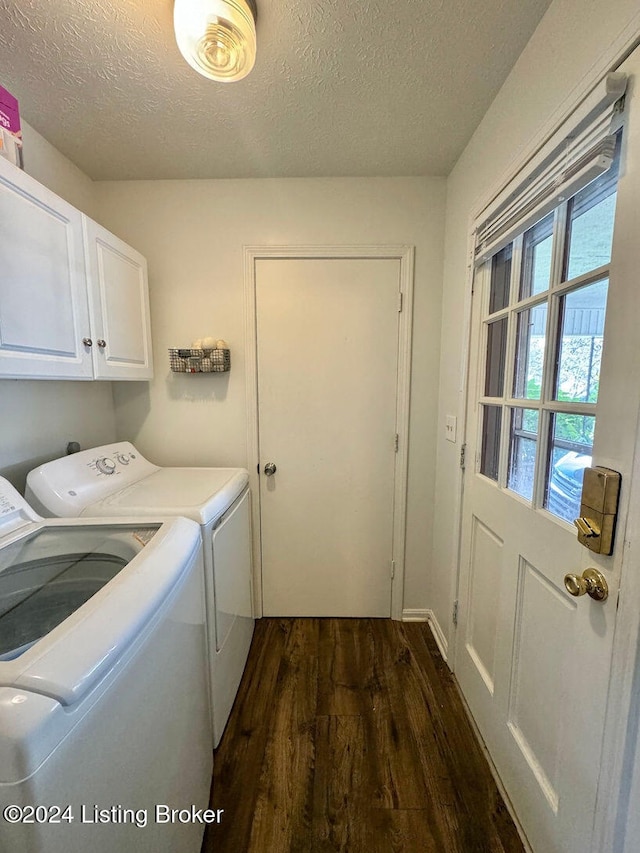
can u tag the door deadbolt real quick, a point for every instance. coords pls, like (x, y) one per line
(590, 581)
(270, 469)
(598, 509)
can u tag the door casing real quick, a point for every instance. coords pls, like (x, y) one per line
(405, 256)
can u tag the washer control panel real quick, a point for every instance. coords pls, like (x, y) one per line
(69, 485)
(113, 463)
(105, 465)
(9, 498)
(14, 510)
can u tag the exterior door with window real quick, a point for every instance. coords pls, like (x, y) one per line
(553, 389)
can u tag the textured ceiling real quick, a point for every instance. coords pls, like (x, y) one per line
(340, 87)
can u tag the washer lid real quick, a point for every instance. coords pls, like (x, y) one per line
(202, 494)
(49, 573)
(69, 661)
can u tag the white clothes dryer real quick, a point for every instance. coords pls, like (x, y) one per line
(103, 710)
(115, 480)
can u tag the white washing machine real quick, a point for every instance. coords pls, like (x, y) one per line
(103, 711)
(116, 480)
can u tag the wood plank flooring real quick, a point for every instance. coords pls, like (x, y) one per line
(349, 735)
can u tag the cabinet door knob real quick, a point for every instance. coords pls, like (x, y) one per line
(87, 342)
(102, 343)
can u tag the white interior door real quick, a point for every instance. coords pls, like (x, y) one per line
(327, 353)
(553, 388)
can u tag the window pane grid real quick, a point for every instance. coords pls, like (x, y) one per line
(570, 450)
(581, 335)
(523, 444)
(500, 283)
(539, 489)
(541, 339)
(496, 358)
(550, 356)
(596, 274)
(559, 241)
(537, 258)
(531, 335)
(560, 288)
(591, 213)
(539, 405)
(491, 441)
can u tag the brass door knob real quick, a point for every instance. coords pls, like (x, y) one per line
(590, 581)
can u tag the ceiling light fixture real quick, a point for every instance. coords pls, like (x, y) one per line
(217, 37)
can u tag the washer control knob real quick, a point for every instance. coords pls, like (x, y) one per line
(122, 458)
(105, 465)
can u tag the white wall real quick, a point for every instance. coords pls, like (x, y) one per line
(562, 52)
(193, 233)
(47, 165)
(38, 418)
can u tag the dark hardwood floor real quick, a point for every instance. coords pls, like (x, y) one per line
(349, 735)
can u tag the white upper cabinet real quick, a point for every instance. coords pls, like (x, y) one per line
(119, 306)
(74, 301)
(44, 314)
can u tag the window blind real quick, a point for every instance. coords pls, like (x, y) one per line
(578, 152)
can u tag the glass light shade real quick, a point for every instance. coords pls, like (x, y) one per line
(216, 37)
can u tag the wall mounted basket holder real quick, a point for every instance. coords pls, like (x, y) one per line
(185, 360)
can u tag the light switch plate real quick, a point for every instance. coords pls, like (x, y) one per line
(450, 427)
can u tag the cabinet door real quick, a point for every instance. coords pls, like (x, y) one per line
(43, 302)
(119, 305)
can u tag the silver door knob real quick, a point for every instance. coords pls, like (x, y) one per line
(87, 342)
(270, 469)
(102, 343)
(591, 581)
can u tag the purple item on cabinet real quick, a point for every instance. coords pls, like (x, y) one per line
(10, 131)
(9, 113)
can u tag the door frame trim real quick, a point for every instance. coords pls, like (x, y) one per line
(405, 255)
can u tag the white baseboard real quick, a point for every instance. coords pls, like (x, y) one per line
(415, 615)
(409, 615)
(438, 635)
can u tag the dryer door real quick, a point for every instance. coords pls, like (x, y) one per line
(231, 542)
